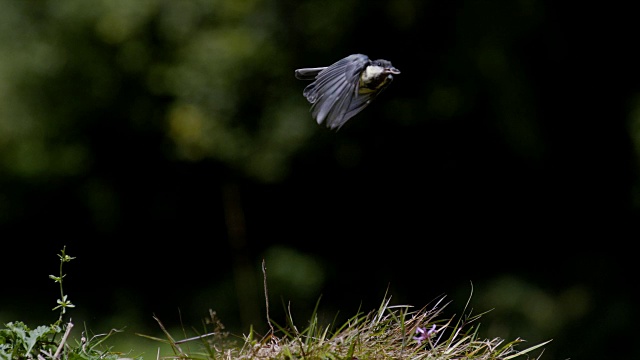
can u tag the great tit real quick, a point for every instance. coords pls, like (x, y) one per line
(344, 88)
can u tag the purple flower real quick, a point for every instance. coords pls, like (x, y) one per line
(424, 334)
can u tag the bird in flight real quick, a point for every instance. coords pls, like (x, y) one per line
(341, 90)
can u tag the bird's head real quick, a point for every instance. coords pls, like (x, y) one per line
(377, 74)
(385, 66)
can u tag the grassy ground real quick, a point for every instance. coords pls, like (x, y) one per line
(389, 332)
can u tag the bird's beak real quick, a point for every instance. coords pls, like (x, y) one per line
(391, 70)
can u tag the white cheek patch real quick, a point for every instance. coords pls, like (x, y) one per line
(372, 72)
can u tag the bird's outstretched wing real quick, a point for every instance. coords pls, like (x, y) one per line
(334, 94)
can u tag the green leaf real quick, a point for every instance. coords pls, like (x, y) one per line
(33, 336)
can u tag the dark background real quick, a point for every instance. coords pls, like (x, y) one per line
(167, 145)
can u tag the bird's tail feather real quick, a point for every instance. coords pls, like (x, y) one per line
(308, 73)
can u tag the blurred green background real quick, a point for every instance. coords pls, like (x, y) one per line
(167, 144)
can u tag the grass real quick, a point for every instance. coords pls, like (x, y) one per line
(389, 332)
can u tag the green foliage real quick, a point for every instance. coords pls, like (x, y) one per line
(18, 341)
(199, 73)
(63, 302)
